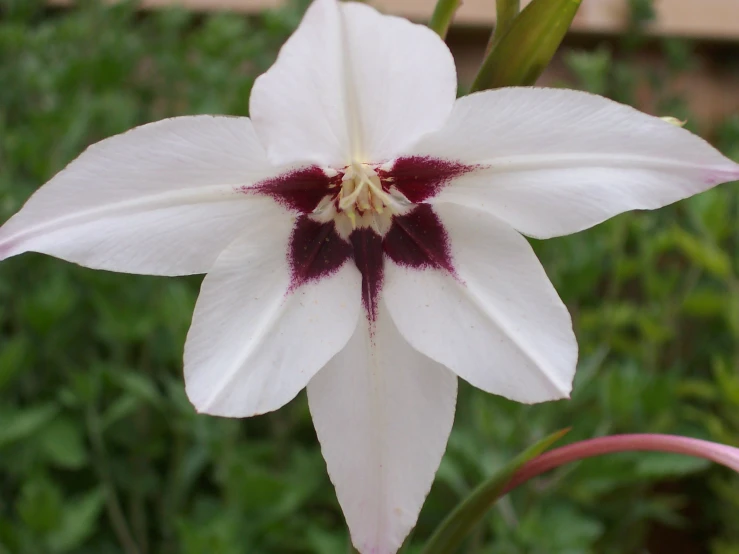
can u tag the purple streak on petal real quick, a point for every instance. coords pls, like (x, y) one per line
(419, 178)
(719, 176)
(418, 240)
(719, 453)
(6, 250)
(369, 259)
(301, 189)
(315, 251)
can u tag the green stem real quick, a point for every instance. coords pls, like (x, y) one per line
(520, 54)
(457, 525)
(505, 12)
(443, 16)
(113, 507)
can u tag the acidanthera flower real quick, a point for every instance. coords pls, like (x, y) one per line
(362, 235)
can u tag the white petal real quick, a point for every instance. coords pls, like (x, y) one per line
(383, 413)
(352, 84)
(254, 343)
(560, 161)
(160, 199)
(498, 323)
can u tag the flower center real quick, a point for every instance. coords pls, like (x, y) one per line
(365, 213)
(361, 191)
(364, 200)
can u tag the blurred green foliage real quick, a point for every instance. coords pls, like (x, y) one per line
(100, 452)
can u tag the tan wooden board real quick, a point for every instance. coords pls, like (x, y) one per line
(695, 18)
(700, 18)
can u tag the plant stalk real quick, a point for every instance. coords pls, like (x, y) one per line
(505, 12)
(443, 16)
(718, 453)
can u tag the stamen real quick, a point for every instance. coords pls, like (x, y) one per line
(362, 202)
(351, 214)
(381, 195)
(350, 200)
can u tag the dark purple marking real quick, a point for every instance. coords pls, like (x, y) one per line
(316, 251)
(369, 259)
(418, 240)
(301, 189)
(419, 178)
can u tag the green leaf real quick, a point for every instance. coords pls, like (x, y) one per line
(21, 424)
(520, 56)
(63, 443)
(13, 358)
(452, 531)
(703, 253)
(567, 528)
(40, 505)
(139, 385)
(593, 69)
(78, 522)
(641, 11)
(123, 407)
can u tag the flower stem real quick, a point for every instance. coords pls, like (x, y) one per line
(505, 12)
(443, 16)
(719, 453)
(521, 52)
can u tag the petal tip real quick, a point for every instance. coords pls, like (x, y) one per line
(217, 405)
(372, 549)
(560, 391)
(566, 391)
(202, 404)
(218, 411)
(200, 407)
(723, 175)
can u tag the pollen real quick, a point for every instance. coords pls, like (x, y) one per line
(363, 200)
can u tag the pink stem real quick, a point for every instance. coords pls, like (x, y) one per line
(719, 453)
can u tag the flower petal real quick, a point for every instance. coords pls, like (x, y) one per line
(497, 322)
(262, 328)
(352, 84)
(383, 413)
(160, 199)
(554, 162)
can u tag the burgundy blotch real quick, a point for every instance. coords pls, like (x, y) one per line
(316, 251)
(419, 178)
(416, 240)
(301, 189)
(368, 257)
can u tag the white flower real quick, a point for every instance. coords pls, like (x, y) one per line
(361, 237)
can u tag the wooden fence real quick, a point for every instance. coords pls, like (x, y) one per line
(711, 19)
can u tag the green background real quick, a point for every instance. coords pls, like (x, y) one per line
(100, 451)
